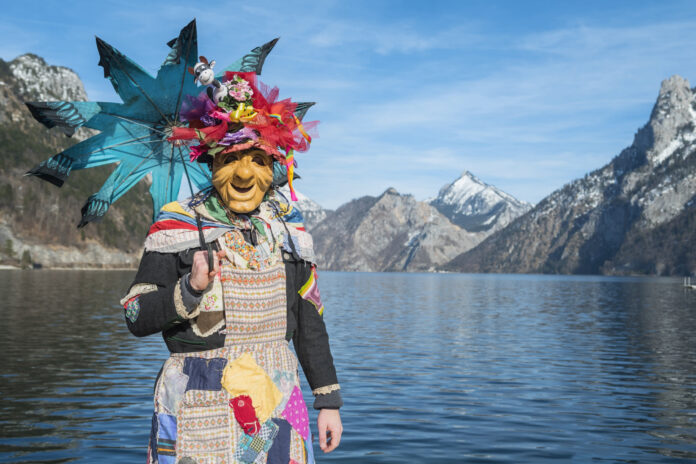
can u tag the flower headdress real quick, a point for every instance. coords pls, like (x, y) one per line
(243, 113)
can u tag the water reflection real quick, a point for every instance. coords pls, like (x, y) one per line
(434, 368)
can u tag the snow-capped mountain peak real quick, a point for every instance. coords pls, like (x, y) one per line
(475, 205)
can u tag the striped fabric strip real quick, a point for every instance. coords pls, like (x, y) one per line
(310, 291)
(166, 447)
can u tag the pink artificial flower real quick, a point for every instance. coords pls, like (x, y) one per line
(197, 151)
(240, 89)
(221, 115)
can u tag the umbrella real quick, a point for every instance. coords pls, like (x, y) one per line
(133, 134)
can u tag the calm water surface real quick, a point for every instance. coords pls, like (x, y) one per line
(433, 368)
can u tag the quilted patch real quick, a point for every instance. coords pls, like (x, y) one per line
(295, 412)
(285, 381)
(245, 414)
(132, 307)
(166, 438)
(310, 291)
(280, 450)
(244, 376)
(172, 390)
(204, 374)
(255, 448)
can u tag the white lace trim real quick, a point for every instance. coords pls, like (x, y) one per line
(179, 304)
(138, 289)
(326, 390)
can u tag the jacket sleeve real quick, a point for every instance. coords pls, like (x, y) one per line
(158, 297)
(311, 340)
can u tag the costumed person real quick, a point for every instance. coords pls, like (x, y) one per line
(230, 391)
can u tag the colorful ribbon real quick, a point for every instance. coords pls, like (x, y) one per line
(244, 113)
(290, 165)
(302, 130)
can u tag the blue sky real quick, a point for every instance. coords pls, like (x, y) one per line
(526, 95)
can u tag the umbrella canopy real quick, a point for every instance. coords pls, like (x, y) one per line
(133, 134)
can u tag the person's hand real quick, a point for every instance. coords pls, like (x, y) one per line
(330, 427)
(201, 276)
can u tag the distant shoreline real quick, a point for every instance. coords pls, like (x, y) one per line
(4, 267)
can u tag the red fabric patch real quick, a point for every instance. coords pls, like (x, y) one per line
(172, 224)
(211, 133)
(125, 306)
(245, 414)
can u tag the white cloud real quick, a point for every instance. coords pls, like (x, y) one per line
(411, 106)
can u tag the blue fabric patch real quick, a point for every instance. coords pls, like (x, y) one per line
(132, 308)
(295, 215)
(166, 438)
(152, 448)
(166, 427)
(280, 450)
(204, 374)
(310, 450)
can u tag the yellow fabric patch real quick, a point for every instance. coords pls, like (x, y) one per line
(175, 207)
(244, 377)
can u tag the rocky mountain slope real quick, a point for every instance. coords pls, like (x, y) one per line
(312, 212)
(634, 215)
(38, 220)
(476, 206)
(392, 232)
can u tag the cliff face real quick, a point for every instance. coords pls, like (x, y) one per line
(38, 218)
(630, 216)
(392, 232)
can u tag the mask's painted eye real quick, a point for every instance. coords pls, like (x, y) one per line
(232, 157)
(260, 160)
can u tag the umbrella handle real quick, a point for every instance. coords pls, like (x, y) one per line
(204, 246)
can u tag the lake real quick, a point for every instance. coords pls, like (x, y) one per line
(434, 368)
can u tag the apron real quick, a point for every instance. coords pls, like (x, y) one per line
(195, 421)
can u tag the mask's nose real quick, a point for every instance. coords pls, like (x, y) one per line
(243, 174)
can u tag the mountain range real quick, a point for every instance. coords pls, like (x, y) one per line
(633, 216)
(37, 220)
(395, 232)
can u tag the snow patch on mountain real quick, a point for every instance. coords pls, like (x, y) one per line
(631, 215)
(312, 211)
(476, 205)
(39, 81)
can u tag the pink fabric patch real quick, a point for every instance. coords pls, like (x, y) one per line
(295, 412)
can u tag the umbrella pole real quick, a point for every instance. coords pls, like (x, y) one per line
(201, 237)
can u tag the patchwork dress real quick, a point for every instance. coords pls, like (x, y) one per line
(235, 397)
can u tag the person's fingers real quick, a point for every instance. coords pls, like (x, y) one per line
(199, 279)
(197, 262)
(202, 258)
(322, 436)
(221, 254)
(336, 432)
